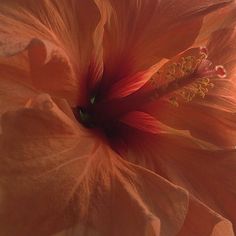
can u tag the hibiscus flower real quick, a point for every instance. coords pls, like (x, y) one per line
(117, 118)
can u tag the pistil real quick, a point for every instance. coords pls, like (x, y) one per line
(179, 80)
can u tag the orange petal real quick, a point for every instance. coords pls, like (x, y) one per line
(131, 84)
(212, 118)
(39, 65)
(222, 49)
(206, 122)
(145, 122)
(61, 25)
(201, 220)
(208, 175)
(15, 82)
(32, 138)
(141, 121)
(141, 33)
(212, 179)
(217, 20)
(52, 72)
(71, 177)
(96, 65)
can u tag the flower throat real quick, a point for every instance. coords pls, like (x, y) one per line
(180, 80)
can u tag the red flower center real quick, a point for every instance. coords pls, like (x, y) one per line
(180, 80)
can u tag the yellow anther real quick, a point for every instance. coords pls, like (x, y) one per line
(211, 85)
(205, 81)
(173, 101)
(170, 76)
(201, 94)
(203, 56)
(183, 94)
(171, 68)
(186, 78)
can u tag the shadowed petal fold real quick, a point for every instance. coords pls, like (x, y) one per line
(202, 221)
(69, 176)
(209, 175)
(15, 82)
(171, 170)
(76, 183)
(73, 27)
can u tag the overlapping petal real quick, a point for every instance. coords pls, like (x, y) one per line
(73, 28)
(68, 176)
(57, 176)
(208, 174)
(64, 179)
(220, 19)
(208, 123)
(140, 33)
(15, 87)
(213, 117)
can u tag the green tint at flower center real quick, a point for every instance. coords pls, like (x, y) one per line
(83, 115)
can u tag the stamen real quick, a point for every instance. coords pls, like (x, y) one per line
(187, 77)
(204, 51)
(180, 80)
(173, 101)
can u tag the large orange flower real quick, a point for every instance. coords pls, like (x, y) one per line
(117, 118)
